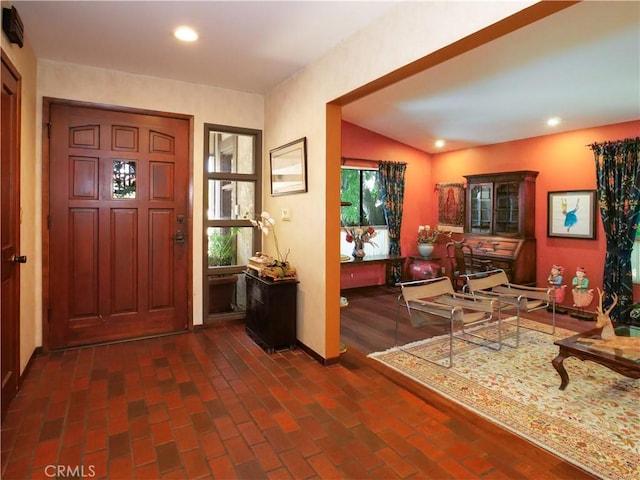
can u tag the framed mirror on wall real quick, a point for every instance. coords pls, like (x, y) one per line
(289, 168)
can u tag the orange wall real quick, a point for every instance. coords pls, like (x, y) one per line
(563, 160)
(358, 142)
(565, 163)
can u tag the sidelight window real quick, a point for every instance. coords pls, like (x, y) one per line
(232, 172)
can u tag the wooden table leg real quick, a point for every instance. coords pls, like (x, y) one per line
(558, 365)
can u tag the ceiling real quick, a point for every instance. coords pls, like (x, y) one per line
(581, 64)
(243, 45)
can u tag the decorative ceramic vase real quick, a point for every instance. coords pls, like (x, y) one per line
(425, 249)
(358, 250)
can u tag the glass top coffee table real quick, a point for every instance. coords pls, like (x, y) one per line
(625, 363)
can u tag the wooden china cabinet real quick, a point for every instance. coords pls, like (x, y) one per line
(500, 222)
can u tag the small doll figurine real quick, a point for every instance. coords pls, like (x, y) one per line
(555, 278)
(555, 281)
(580, 281)
(582, 296)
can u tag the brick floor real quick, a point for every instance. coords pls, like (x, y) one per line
(212, 404)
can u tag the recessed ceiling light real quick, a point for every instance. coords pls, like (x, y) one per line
(439, 143)
(553, 121)
(186, 34)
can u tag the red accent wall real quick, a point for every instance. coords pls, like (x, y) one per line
(564, 161)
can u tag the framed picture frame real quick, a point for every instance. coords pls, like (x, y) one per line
(451, 207)
(572, 214)
(289, 168)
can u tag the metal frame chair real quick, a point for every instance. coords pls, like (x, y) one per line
(522, 298)
(434, 301)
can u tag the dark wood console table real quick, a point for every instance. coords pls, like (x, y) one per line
(387, 260)
(271, 312)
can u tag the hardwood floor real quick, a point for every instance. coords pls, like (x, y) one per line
(368, 323)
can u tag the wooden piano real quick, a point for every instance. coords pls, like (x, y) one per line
(516, 256)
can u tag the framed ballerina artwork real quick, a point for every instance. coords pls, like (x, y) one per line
(572, 214)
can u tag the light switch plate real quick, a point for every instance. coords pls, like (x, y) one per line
(286, 215)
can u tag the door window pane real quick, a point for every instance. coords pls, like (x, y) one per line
(124, 179)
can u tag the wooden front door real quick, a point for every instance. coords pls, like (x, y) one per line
(10, 234)
(118, 246)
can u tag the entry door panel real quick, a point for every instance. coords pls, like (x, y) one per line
(9, 235)
(118, 203)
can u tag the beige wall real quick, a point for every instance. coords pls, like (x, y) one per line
(24, 61)
(297, 108)
(293, 110)
(205, 104)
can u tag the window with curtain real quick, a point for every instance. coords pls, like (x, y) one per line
(360, 187)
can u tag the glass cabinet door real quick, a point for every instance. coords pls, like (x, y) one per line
(501, 204)
(480, 208)
(506, 209)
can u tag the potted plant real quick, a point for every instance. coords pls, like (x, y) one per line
(278, 268)
(221, 247)
(222, 287)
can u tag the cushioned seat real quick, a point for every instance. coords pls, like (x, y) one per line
(521, 298)
(434, 301)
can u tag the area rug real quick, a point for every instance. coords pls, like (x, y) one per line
(594, 423)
